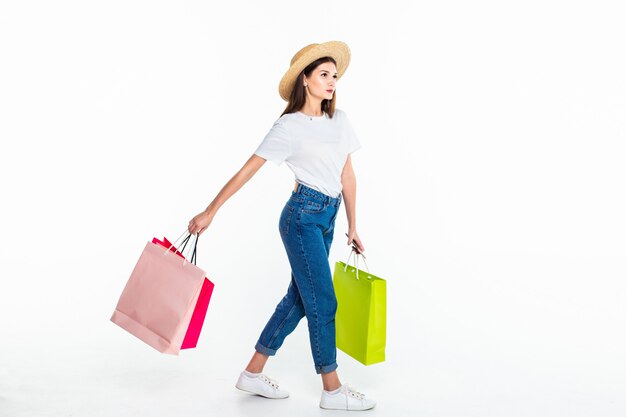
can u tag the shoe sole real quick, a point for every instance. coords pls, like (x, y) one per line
(260, 395)
(343, 409)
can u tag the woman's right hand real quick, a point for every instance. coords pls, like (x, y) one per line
(200, 223)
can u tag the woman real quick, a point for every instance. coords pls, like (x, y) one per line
(315, 140)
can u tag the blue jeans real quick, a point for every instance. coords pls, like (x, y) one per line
(306, 227)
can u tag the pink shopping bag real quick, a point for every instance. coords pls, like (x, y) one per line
(159, 299)
(199, 313)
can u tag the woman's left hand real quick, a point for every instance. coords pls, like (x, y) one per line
(354, 237)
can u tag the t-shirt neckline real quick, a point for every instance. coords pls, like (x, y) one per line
(312, 117)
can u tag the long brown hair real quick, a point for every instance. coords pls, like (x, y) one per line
(297, 99)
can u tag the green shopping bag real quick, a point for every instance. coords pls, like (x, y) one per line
(361, 319)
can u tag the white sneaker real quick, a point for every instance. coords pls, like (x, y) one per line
(260, 385)
(346, 399)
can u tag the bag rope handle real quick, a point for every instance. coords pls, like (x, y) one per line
(184, 243)
(356, 258)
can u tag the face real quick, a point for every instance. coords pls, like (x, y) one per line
(322, 82)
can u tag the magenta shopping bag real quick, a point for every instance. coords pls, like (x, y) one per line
(199, 313)
(159, 299)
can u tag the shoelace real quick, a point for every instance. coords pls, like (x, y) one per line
(273, 383)
(353, 393)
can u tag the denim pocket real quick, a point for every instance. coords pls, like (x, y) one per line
(312, 207)
(294, 201)
(285, 219)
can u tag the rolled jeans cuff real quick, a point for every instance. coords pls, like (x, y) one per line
(326, 368)
(265, 351)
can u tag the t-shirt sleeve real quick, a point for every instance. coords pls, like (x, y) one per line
(352, 138)
(275, 146)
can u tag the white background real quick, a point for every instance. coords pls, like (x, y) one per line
(490, 196)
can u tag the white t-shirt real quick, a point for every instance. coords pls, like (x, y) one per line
(314, 147)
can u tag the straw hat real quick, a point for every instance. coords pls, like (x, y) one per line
(337, 50)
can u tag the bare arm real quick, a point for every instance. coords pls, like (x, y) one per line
(348, 182)
(200, 222)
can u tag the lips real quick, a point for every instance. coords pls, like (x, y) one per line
(330, 91)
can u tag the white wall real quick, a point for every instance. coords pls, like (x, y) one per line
(490, 184)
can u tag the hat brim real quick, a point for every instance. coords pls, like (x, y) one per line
(337, 50)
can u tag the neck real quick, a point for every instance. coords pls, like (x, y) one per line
(312, 107)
